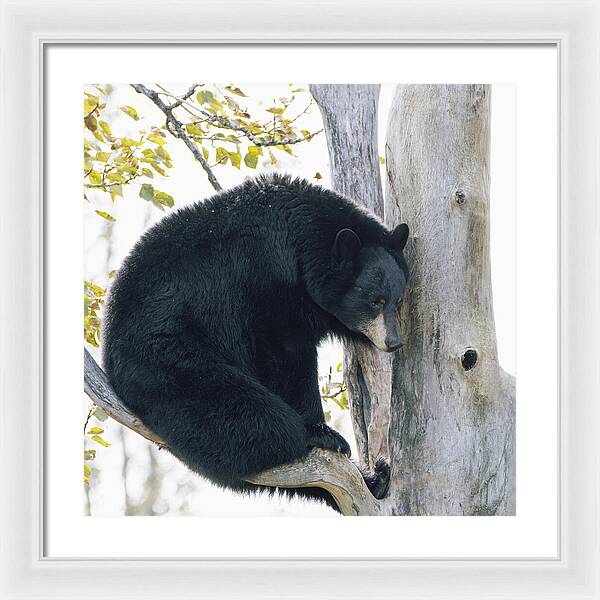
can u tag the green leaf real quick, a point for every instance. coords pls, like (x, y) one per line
(100, 441)
(105, 215)
(222, 155)
(205, 97)
(276, 111)
(115, 190)
(251, 160)
(100, 413)
(164, 198)
(147, 192)
(158, 169)
(193, 130)
(129, 110)
(105, 128)
(160, 151)
(382, 160)
(147, 172)
(115, 177)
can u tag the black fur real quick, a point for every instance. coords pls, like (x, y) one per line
(214, 318)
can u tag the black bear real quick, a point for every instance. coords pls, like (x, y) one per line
(214, 318)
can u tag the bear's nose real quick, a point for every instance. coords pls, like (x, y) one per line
(393, 342)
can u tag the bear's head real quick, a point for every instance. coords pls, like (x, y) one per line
(375, 286)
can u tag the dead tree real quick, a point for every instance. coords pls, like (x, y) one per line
(452, 431)
(451, 407)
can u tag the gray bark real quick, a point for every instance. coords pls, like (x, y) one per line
(350, 123)
(453, 408)
(99, 390)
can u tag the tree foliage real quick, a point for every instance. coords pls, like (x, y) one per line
(111, 162)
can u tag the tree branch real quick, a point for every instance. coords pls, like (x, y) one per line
(320, 468)
(328, 470)
(229, 124)
(97, 387)
(176, 128)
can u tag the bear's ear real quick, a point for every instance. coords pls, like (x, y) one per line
(347, 245)
(399, 237)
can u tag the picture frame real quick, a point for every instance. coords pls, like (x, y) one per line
(28, 28)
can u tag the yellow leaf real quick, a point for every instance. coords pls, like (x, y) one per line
(235, 90)
(96, 430)
(235, 158)
(102, 156)
(157, 138)
(100, 441)
(95, 177)
(105, 215)
(105, 128)
(129, 110)
(318, 176)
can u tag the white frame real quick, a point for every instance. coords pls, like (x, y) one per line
(28, 26)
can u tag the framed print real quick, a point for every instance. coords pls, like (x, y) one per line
(371, 229)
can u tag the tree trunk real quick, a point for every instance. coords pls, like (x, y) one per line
(453, 408)
(350, 123)
(452, 431)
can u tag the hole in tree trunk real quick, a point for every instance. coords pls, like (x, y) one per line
(469, 359)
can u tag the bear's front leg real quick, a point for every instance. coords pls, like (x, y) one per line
(303, 395)
(322, 436)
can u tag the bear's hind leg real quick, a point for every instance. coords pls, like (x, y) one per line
(230, 428)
